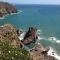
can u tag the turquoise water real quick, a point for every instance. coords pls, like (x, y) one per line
(43, 17)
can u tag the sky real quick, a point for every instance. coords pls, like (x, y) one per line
(57, 2)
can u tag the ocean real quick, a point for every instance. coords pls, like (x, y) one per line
(46, 18)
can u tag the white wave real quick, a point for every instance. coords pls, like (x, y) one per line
(58, 41)
(38, 31)
(38, 43)
(2, 17)
(54, 39)
(40, 38)
(53, 53)
(19, 11)
(21, 36)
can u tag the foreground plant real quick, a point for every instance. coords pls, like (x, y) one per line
(7, 52)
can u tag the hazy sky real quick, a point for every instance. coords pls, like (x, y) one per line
(33, 1)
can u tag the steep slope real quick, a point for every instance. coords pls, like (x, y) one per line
(6, 8)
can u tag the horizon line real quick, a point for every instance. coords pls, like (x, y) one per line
(28, 3)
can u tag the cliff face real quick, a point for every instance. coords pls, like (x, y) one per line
(8, 33)
(6, 8)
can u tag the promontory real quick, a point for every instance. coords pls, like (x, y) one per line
(6, 8)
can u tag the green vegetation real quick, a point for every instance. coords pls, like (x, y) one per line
(7, 52)
(3, 10)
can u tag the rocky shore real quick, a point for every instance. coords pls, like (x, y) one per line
(6, 8)
(39, 52)
(9, 33)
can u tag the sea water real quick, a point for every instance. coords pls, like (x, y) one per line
(46, 18)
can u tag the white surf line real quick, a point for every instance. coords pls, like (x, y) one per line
(40, 38)
(52, 53)
(58, 41)
(54, 39)
(38, 31)
(2, 17)
(19, 11)
(21, 36)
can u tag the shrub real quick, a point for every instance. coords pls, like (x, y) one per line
(7, 52)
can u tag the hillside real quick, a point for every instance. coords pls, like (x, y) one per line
(6, 8)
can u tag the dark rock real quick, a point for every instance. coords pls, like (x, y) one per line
(44, 52)
(30, 36)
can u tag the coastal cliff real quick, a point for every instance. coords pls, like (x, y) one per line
(10, 45)
(6, 8)
(9, 34)
(11, 48)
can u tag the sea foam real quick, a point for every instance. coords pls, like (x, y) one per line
(2, 17)
(54, 39)
(53, 53)
(21, 36)
(38, 31)
(19, 11)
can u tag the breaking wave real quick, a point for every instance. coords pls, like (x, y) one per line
(54, 39)
(2, 17)
(53, 53)
(19, 11)
(39, 33)
(21, 36)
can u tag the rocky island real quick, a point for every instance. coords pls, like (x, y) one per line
(6, 8)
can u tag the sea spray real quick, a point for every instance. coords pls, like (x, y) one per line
(54, 39)
(22, 36)
(53, 53)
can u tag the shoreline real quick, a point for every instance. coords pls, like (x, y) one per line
(19, 11)
(53, 53)
(50, 52)
(41, 47)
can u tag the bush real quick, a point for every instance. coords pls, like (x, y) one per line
(7, 52)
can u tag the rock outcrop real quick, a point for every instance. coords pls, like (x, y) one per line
(30, 36)
(8, 33)
(40, 53)
(6, 8)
